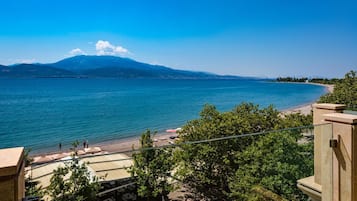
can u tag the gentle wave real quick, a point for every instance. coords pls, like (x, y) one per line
(40, 113)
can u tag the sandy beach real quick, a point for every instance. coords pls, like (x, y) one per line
(126, 145)
(307, 108)
(121, 145)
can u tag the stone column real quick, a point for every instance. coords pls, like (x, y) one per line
(12, 183)
(345, 156)
(319, 138)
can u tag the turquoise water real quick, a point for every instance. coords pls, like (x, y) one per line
(40, 113)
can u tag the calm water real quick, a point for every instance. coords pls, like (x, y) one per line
(40, 113)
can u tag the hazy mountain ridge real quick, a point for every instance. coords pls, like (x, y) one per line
(34, 70)
(103, 66)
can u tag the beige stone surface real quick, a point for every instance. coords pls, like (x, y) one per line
(335, 168)
(329, 106)
(310, 188)
(342, 118)
(326, 162)
(317, 153)
(319, 110)
(20, 182)
(12, 183)
(7, 189)
(309, 181)
(9, 160)
(345, 156)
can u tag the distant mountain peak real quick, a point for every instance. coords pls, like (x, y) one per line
(104, 66)
(82, 62)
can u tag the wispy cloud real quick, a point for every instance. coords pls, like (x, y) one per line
(105, 48)
(76, 51)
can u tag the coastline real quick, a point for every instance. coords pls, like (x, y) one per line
(126, 145)
(329, 87)
(307, 108)
(123, 145)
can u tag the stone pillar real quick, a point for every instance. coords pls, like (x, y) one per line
(12, 181)
(319, 138)
(335, 155)
(344, 157)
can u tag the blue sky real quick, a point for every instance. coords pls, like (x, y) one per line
(250, 38)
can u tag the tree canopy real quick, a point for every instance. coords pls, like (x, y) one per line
(345, 92)
(274, 162)
(305, 79)
(151, 169)
(212, 169)
(73, 181)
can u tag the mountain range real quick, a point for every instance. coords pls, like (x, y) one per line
(84, 66)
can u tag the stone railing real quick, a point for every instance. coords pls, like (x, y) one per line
(12, 184)
(335, 155)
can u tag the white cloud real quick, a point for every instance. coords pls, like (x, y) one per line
(76, 51)
(105, 48)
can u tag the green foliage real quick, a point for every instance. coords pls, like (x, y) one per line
(207, 167)
(151, 169)
(266, 195)
(28, 160)
(33, 189)
(295, 120)
(305, 79)
(73, 181)
(291, 79)
(273, 162)
(325, 81)
(345, 92)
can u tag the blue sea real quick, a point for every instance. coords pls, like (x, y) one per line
(40, 113)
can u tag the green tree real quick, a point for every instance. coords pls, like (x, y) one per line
(73, 181)
(207, 167)
(32, 188)
(28, 160)
(345, 92)
(151, 169)
(274, 162)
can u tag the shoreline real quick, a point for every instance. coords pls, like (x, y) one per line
(329, 87)
(307, 108)
(127, 144)
(124, 146)
(160, 139)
